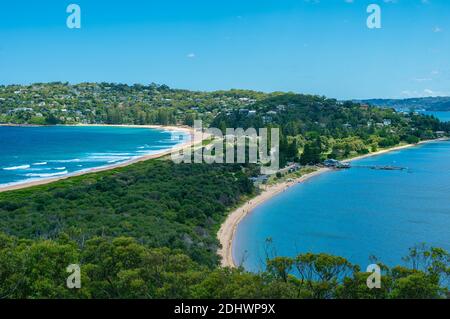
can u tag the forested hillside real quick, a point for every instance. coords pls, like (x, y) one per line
(317, 128)
(158, 203)
(109, 103)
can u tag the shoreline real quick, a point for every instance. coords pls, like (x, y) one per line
(191, 142)
(182, 128)
(228, 228)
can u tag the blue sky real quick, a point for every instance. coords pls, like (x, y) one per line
(307, 46)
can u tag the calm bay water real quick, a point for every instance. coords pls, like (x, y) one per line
(33, 153)
(357, 213)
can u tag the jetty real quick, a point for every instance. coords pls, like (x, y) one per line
(381, 167)
(332, 163)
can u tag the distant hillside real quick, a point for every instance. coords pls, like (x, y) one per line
(426, 103)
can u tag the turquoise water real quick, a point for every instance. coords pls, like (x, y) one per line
(443, 116)
(34, 153)
(357, 213)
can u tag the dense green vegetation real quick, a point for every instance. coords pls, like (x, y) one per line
(314, 128)
(149, 230)
(109, 103)
(123, 268)
(158, 203)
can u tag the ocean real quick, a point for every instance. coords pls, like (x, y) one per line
(356, 213)
(35, 153)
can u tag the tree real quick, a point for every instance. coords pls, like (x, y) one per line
(416, 286)
(280, 267)
(322, 273)
(311, 153)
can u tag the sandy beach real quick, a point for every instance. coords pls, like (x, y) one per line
(195, 139)
(228, 228)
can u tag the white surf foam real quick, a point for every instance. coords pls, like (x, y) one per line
(13, 168)
(47, 175)
(40, 163)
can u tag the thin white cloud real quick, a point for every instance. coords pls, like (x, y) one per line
(422, 79)
(434, 93)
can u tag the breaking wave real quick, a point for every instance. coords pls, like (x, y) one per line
(13, 168)
(47, 175)
(40, 163)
